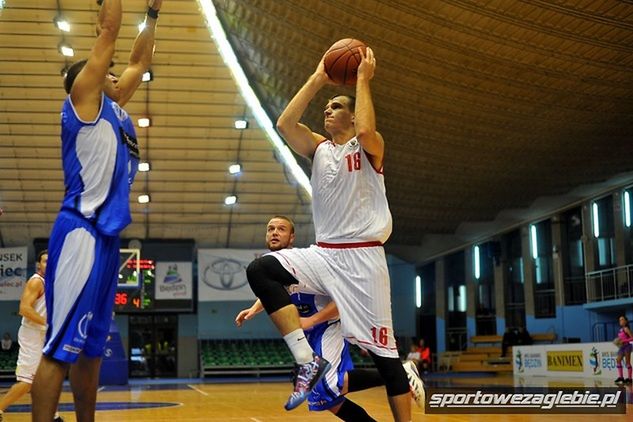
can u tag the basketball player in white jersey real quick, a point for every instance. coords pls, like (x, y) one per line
(352, 220)
(30, 335)
(321, 324)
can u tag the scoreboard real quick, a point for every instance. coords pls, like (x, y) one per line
(136, 291)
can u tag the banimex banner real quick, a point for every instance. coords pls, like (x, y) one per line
(12, 272)
(527, 400)
(579, 360)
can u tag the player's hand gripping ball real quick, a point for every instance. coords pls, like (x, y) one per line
(341, 61)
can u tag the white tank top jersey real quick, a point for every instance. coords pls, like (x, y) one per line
(40, 308)
(349, 203)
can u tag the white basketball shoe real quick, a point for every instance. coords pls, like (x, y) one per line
(415, 383)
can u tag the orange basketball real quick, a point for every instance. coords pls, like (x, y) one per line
(342, 59)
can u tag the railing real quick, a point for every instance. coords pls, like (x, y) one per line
(456, 339)
(575, 290)
(614, 283)
(544, 303)
(604, 331)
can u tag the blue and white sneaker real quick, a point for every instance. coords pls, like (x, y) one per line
(307, 376)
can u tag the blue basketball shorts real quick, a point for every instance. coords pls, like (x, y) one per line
(327, 341)
(81, 280)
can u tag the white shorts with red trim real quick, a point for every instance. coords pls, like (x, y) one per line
(357, 279)
(31, 341)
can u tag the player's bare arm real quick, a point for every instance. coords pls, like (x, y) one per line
(140, 57)
(300, 137)
(365, 116)
(88, 86)
(328, 313)
(249, 313)
(33, 290)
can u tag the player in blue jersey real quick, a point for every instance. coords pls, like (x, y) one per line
(99, 157)
(321, 325)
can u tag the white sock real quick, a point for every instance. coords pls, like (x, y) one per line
(299, 346)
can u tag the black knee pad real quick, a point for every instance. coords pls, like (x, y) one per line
(267, 278)
(393, 373)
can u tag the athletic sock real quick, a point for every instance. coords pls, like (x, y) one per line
(352, 412)
(362, 379)
(299, 346)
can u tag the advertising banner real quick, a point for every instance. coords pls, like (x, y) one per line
(12, 272)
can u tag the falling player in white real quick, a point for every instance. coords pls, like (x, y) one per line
(30, 335)
(352, 220)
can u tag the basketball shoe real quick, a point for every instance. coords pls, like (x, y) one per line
(415, 383)
(307, 375)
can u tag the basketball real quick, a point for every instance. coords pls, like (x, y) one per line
(342, 59)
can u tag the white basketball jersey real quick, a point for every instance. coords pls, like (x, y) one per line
(40, 308)
(348, 195)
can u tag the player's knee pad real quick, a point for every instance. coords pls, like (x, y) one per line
(393, 373)
(267, 280)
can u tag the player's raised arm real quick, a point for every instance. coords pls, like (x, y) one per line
(300, 137)
(365, 124)
(86, 89)
(140, 56)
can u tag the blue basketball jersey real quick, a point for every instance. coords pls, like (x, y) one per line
(100, 159)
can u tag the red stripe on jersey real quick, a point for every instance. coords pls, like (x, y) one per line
(370, 343)
(349, 245)
(377, 170)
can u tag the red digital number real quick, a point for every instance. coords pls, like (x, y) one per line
(136, 302)
(353, 161)
(382, 337)
(120, 299)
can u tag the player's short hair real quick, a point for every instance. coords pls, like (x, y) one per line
(289, 220)
(41, 254)
(72, 73)
(350, 99)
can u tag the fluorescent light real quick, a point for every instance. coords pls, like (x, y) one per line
(627, 209)
(235, 168)
(66, 50)
(144, 122)
(461, 306)
(230, 200)
(534, 241)
(476, 262)
(62, 24)
(226, 51)
(141, 26)
(596, 221)
(143, 166)
(147, 76)
(418, 292)
(241, 124)
(143, 199)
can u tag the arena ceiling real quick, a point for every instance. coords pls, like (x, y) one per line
(493, 112)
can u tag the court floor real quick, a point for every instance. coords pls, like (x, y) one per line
(238, 400)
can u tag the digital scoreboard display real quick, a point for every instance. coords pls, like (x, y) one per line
(136, 289)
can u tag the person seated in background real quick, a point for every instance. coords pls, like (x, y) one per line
(523, 337)
(510, 338)
(6, 343)
(414, 355)
(425, 356)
